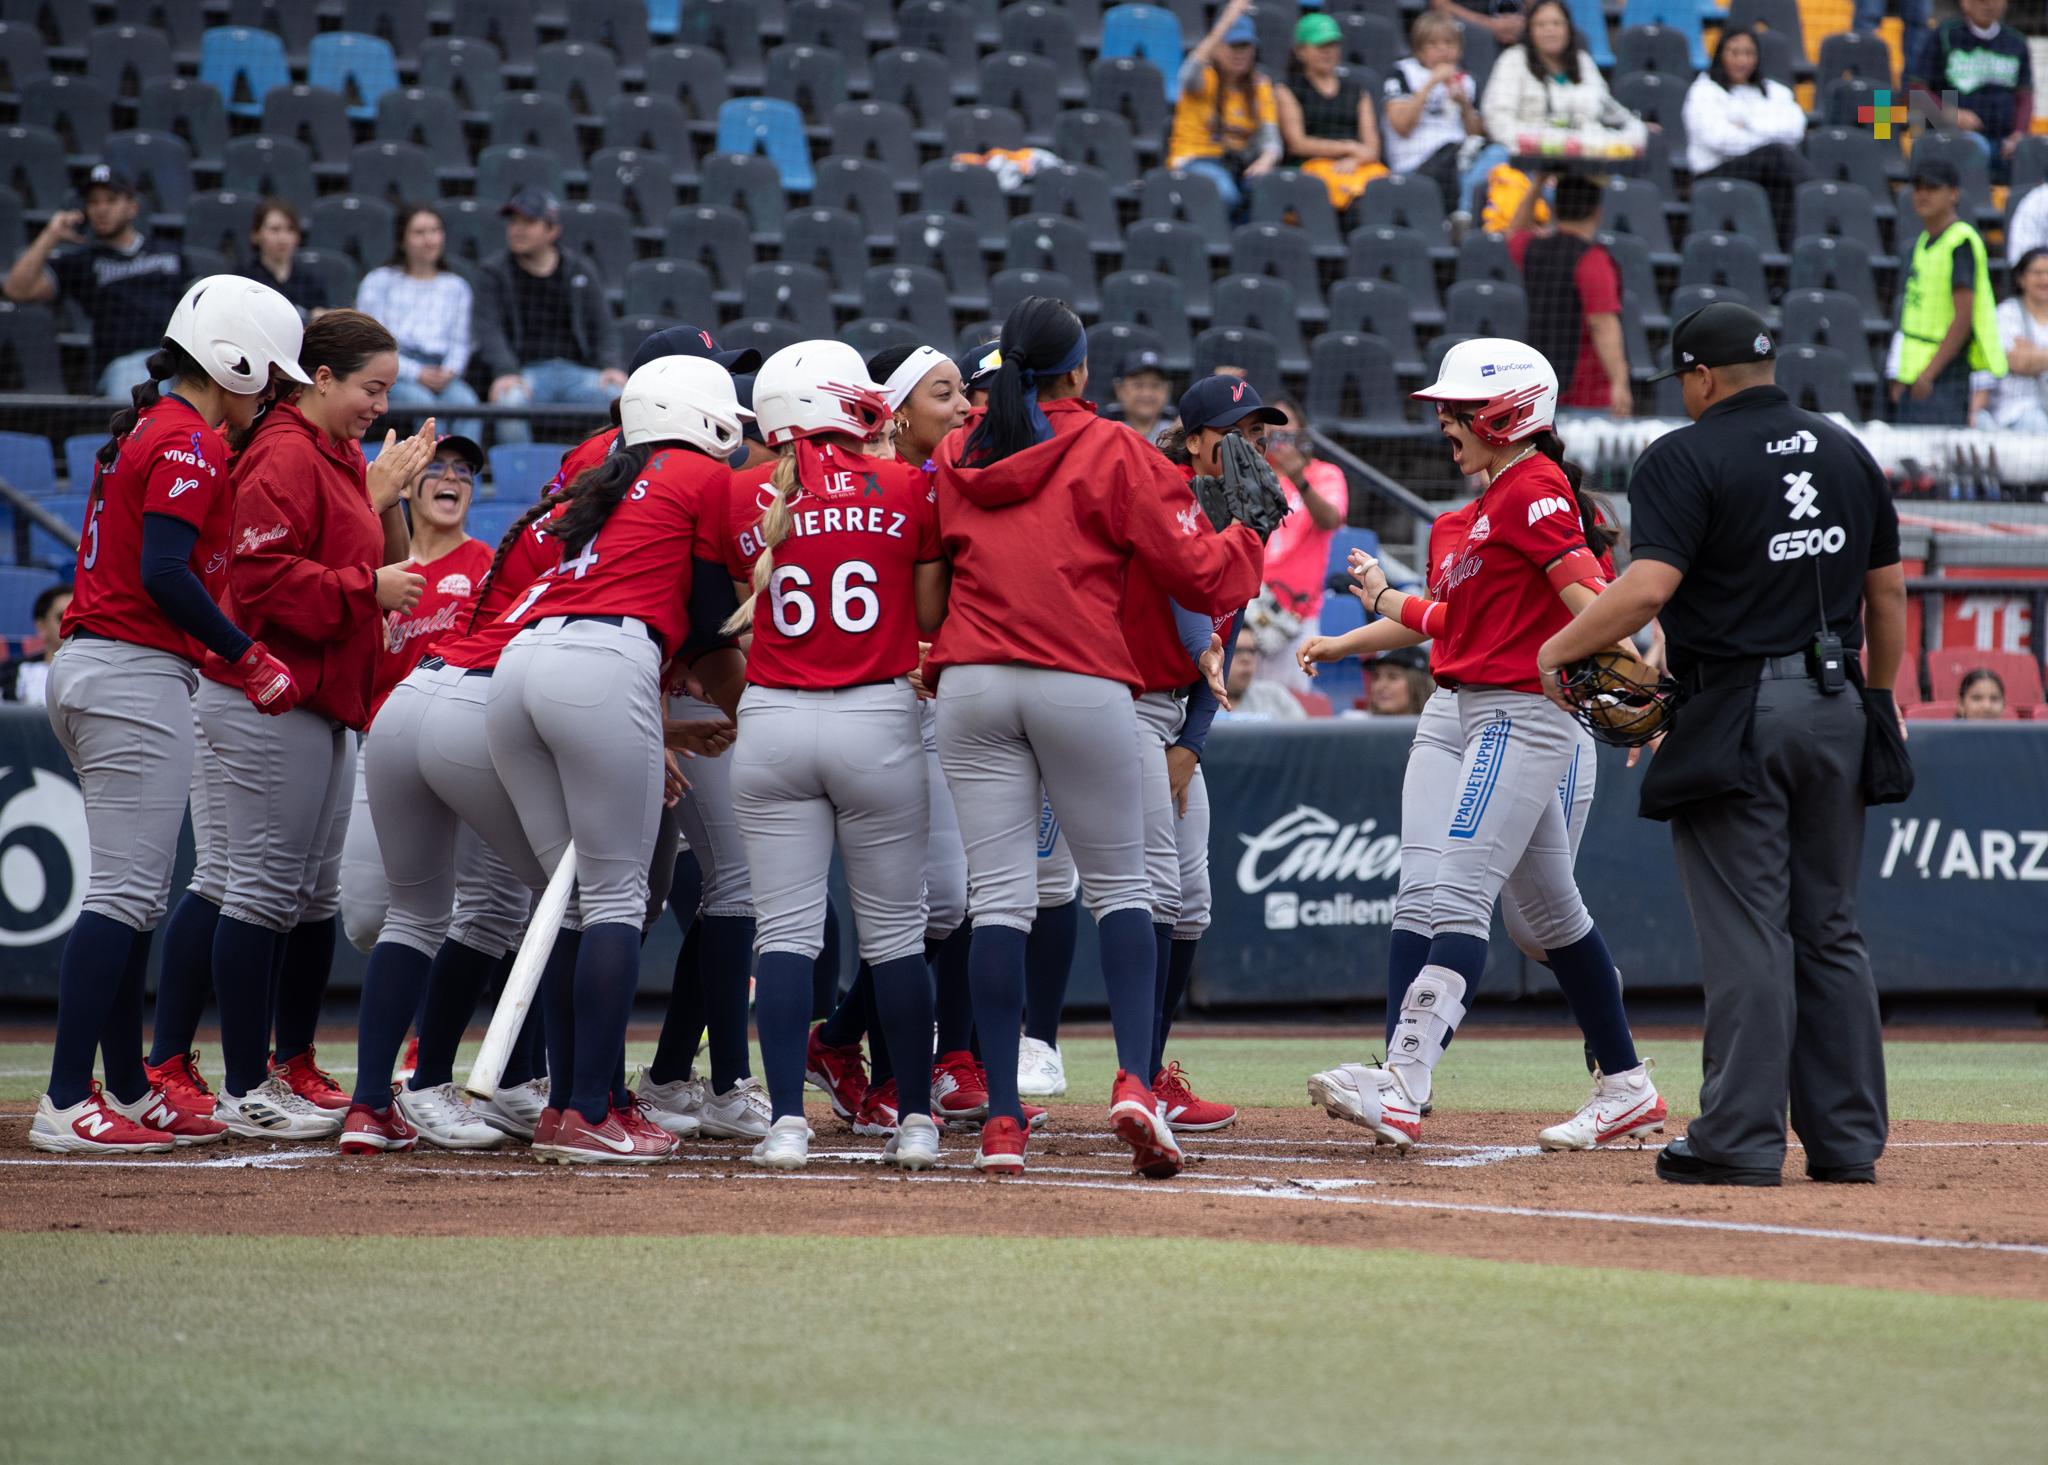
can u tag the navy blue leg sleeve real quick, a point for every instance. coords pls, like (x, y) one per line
(558, 994)
(1130, 964)
(1048, 962)
(391, 994)
(903, 1008)
(308, 964)
(782, 1011)
(607, 971)
(244, 955)
(121, 1036)
(1585, 974)
(996, 970)
(848, 1021)
(726, 953)
(186, 977)
(455, 983)
(1407, 954)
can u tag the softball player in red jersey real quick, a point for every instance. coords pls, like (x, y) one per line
(1521, 568)
(310, 569)
(120, 697)
(574, 714)
(1042, 504)
(845, 575)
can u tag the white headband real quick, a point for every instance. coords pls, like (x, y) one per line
(904, 379)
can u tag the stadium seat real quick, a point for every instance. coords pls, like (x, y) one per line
(619, 26)
(1407, 201)
(1840, 210)
(159, 164)
(810, 78)
(1727, 260)
(1852, 155)
(1157, 302)
(773, 128)
(921, 84)
(1174, 248)
(1144, 31)
(77, 108)
(716, 238)
(695, 80)
(1781, 16)
(1108, 340)
(980, 129)
(1659, 99)
(1639, 296)
(913, 294)
(1736, 206)
(360, 68)
(504, 168)
(879, 132)
(126, 58)
(400, 24)
(354, 225)
(1688, 298)
(467, 69)
(1830, 318)
(673, 289)
(313, 116)
(946, 187)
(642, 184)
(192, 110)
(836, 27)
(1281, 252)
(1859, 54)
(1817, 378)
(950, 244)
(1098, 140)
(13, 218)
(1372, 41)
(396, 172)
(28, 346)
(1486, 308)
(520, 470)
(862, 189)
(1381, 309)
(242, 65)
(474, 229)
(1189, 198)
(1946, 668)
(291, 21)
(831, 239)
(1132, 89)
(943, 28)
(733, 30)
(1026, 85)
(1082, 193)
(23, 57)
(582, 73)
(536, 120)
(603, 232)
(2029, 169)
(869, 336)
(650, 126)
(19, 587)
(220, 221)
(81, 460)
(765, 336)
(36, 171)
(1252, 351)
(796, 293)
(1841, 101)
(1653, 48)
(749, 183)
(1046, 32)
(1009, 288)
(1050, 242)
(1682, 16)
(1400, 256)
(1779, 60)
(1483, 256)
(1285, 196)
(1266, 305)
(1838, 264)
(488, 520)
(509, 26)
(27, 464)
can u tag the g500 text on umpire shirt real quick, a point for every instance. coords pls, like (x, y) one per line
(1746, 505)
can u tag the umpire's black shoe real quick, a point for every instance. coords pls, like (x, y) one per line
(1843, 1174)
(1679, 1165)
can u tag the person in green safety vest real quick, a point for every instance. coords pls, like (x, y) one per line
(1948, 323)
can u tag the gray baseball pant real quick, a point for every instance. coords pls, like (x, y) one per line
(121, 712)
(321, 895)
(209, 817)
(1058, 880)
(1191, 833)
(812, 765)
(574, 725)
(1159, 717)
(945, 871)
(705, 819)
(284, 778)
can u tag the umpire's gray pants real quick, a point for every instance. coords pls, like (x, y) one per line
(704, 817)
(850, 762)
(209, 798)
(1004, 731)
(574, 724)
(945, 869)
(1791, 1004)
(284, 780)
(123, 713)
(438, 877)
(1160, 717)
(1191, 833)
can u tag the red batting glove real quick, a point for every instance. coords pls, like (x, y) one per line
(267, 681)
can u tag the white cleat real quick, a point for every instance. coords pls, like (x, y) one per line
(515, 1111)
(1372, 1097)
(787, 1145)
(445, 1119)
(1041, 1072)
(677, 1106)
(1623, 1108)
(741, 1112)
(272, 1111)
(914, 1145)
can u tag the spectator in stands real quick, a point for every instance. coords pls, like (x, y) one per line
(1574, 290)
(429, 309)
(127, 282)
(1141, 393)
(2018, 401)
(1741, 124)
(2027, 229)
(1981, 697)
(274, 238)
(1254, 694)
(1546, 95)
(1226, 125)
(1504, 19)
(24, 680)
(543, 329)
(1297, 556)
(1326, 119)
(1912, 16)
(1987, 66)
(1431, 116)
(1398, 683)
(1948, 322)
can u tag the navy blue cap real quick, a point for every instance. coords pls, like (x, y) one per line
(687, 340)
(472, 453)
(106, 175)
(1137, 361)
(532, 203)
(1225, 401)
(978, 365)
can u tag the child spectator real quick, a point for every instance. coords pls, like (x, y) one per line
(1431, 118)
(1141, 391)
(1981, 697)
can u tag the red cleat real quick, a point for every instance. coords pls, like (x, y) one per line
(577, 1141)
(1184, 1111)
(1002, 1147)
(959, 1087)
(409, 1064)
(181, 1084)
(636, 1121)
(155, 1111)
(841, 1072)
(310, 1082)
(544, 1130)
(367, 1132)
(1140, 1122)
(878, 1110)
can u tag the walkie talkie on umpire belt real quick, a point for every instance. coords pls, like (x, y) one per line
(1830, 664)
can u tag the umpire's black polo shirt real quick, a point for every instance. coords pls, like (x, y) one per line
(1746, 503)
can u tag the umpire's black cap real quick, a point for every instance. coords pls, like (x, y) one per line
(689, 341)
(1721, 334)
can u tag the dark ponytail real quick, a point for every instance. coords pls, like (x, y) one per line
(1041, 338)
(597, 491)
(169, 362)
(510, 537)
(1595, 517)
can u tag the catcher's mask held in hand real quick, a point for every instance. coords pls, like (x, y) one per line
(1619, 699)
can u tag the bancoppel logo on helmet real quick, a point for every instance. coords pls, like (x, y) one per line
(1550, 504)
(1797, 544)
(1801, 441)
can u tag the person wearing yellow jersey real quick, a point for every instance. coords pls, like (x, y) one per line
(1226, 125)
(1948, 322)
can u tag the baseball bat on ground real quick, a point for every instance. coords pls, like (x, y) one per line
(524, 978)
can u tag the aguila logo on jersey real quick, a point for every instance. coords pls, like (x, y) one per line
(218, 563)
(254, 539)
(397, 632)
(1190, 520)
(1549, 504)
(1480, 530)
(182, 484)
(455, 584)
(1801, 441)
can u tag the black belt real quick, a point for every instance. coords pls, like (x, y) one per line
(652, 634)
(1747, 671)
(82, 634)
(1787, 668)
(435, 663)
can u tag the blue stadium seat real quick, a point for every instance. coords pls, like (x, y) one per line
(489, 521)
(242, 64)
(81, 454)
(1147, 32)
(46, 551)
(1591, 20)
(519, 471)
(664, 18)
(772, 127)
(361, 68)
(19, 587)
(1682, 16)
(27, 464)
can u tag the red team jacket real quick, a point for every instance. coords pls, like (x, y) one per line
(302, 562)
(172, 463)
(840, 611)
(1041, 543)
(443, 611)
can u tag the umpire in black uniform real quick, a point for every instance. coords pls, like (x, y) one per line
(1765, 538)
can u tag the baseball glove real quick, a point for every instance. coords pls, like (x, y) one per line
(1215, 503)
(1251, 490)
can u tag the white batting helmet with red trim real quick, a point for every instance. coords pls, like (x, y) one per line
(817, 387)
(1509, 386)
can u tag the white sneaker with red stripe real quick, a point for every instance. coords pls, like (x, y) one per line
(1372, 1097)
(1623, 1108)
(158, 1111)
(92, 1126)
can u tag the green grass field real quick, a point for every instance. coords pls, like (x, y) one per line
(958, 1349)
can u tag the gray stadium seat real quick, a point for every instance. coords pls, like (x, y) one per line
(950, 244)
(733, 30)
(469, 70)
(1378, 308)
(1688, 298)
(1050, 242)
(1657, 48)
(291, 21)
(1176, 248)
(1099, 140)
(23, 57)
(507, 24)
(980, 129)
(619, 26)
(535, 120)
(474, 229)
(694, 79)
(871, 335)
(1486, 308)
(1028, 86)
(1284, 196)
(347, 223)
(1838, 264)
(310, 115)
(1157, 302)
(582, 73)
(1009, 288)
(504, 168)
(956, 188)
(830, 239)
(880, 132)
(1351, 385)
(1777, 15)
(32, 165)
(943, 28)
(1254, 351)
(921, 83)
(796, 293)
(1191, 198)
(1817, 378)
(1640, 299)
(1656, 98)
(1841, 210)
(835, 27)
(1483, 256)
(1082, 193)
(1412, 202)
(1281, 252)
(1268, 306)
(160, 165)
(1047, 33)
(642, 184)
(673, 289)
(220, 221)
(77, 108)
(190, 108)
(716, 238)
(1830, 318)
(809, 77)
(28, 348)
(1852, 155)
(1736, 206)
(1862, 55)
(863, 189)
(1372, 40)
(909, 293)
(603, 232)
(125, 58)
(401, 23)
(397, 172)
(1401, 256)
(1132, 89)
(650, 125)
(1110, 342)
(1730, 261)
(748, 182)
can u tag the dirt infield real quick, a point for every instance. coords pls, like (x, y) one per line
(1959, 1209)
